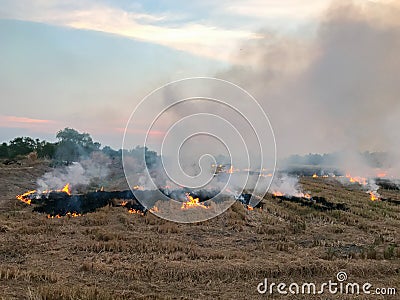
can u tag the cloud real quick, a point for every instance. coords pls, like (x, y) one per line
(142, 132)
(24, 125)
(197, 38)
(14, 121)
(277, 9)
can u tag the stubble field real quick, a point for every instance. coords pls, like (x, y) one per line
(111, 254)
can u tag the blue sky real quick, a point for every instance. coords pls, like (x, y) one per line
(86, 64)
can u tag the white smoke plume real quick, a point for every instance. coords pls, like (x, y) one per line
(286, 185)
(335, 90)
(77, 174)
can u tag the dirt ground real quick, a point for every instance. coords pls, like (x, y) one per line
(111, 254)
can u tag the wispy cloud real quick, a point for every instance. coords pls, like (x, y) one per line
(23, 122)
(277, 9)
(142, 132)
(198, 38)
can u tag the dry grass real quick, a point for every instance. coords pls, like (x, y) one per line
(112, 254)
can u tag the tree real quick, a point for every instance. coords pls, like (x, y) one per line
(46, 149)
(73, 145)
(107, 150)
(4, 150)
(151, 158)
(21, 146)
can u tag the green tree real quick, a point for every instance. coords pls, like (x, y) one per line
(21, 146)
(4, 150)
(107, 150)
(72, 145)
(46, 149)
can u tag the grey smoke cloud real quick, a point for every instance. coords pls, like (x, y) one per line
(336, 91)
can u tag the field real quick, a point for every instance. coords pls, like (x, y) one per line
(111, 254)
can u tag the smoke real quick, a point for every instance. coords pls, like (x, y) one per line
(77, 174)
(335, 91)
(287, 185)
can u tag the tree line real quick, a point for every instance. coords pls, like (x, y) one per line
(373, 159)
(70, 146)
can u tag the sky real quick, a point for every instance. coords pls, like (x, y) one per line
(87, 64)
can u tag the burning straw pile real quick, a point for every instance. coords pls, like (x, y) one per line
(58, 203)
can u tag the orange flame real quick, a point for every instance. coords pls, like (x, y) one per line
(154, 209)
(65, 189)
(192, 202)
(230, 171)
(315, 175)
(278, 194)
(265, 175)
(24, 196)
(374, 196)
(53, 217)
(382, 174)
(138, 187)
(123, 203)
(68, 214)
(249, 207)
(135, 211)
(73, 214)
(357, 179)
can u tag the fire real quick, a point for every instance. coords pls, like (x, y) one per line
(298, 194)
(138, 187)
(123, 203)
(382, 174)
(68, 214)
(249, 207)
(374, 195)
(24, 196)
(135, 211)
(192, 202)
(357, 179)
(265, 175)
(154, 209)
(26, 199)
(73, 214)
(65, 189)
(278, 194)
(315, 175)
(230, 171)
(53, 217)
